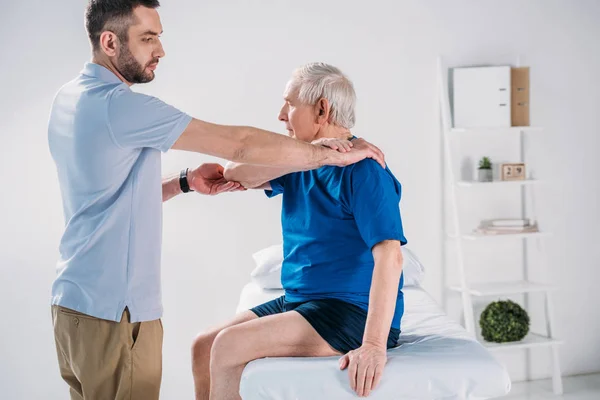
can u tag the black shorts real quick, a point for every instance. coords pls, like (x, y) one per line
(340, 324)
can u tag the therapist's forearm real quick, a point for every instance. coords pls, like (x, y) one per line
(170, 187)
(384, 292)
(251, 145)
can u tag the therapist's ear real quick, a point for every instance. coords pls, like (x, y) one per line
(322, 111)
(109, 42)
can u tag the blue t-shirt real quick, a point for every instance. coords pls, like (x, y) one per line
(331, 218)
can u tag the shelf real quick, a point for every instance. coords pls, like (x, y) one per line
(495, 130)
(500, 288)
(498, 183)
(524, 235)
(531, 340)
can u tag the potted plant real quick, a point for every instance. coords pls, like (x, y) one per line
(485, 170)
(504, 321)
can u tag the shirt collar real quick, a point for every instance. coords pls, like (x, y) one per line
(98, 71)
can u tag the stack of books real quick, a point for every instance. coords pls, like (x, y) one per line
(506, 226)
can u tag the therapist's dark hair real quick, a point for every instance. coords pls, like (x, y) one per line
(113, 15)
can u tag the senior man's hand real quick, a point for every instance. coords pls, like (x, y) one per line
(208, 179)
(365, 367)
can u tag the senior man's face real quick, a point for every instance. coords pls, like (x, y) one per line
(300, 119)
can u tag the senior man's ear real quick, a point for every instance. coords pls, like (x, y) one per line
(322, 111)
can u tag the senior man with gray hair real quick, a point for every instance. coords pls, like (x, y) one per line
(342, 238)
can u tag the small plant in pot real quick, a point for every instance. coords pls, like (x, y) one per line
(485, 170)
(504, 321)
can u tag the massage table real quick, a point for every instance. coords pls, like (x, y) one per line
(435, 359)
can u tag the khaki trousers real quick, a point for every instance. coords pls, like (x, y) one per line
(102, 359)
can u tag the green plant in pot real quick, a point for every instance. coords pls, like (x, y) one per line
(485, 170)
(504, 321)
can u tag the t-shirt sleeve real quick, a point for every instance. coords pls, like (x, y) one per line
(137, 120)
(375, 203)
(277, 186)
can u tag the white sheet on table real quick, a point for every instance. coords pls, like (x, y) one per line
(436, 359)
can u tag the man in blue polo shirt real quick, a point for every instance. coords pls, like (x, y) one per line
(106, 141)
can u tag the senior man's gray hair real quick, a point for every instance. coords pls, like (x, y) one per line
(319, 80)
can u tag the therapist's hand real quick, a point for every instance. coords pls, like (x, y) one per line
(365, 367)
(208, 179)
(354, 151)
(341, 145)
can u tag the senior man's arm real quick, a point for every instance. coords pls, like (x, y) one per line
(384, 291)
(365, 364)
(258, 176)
(374, 198)
(255, 176)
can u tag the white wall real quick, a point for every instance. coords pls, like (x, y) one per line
(228, 62)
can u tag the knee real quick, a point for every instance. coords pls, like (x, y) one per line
(201, 346)
(223, 353)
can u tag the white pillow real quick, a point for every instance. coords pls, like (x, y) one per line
(412, 268)
(267, 273)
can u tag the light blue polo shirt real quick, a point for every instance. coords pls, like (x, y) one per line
(106, 141)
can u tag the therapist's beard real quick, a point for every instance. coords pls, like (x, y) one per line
(132, 70)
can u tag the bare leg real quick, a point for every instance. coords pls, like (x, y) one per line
(281, 335)
(201, 354)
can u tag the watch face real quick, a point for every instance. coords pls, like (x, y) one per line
(183, 181)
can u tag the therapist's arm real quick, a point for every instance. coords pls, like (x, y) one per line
(258, 176)
(255, 146)
(206, 179)
(170, 187)
(365, 364)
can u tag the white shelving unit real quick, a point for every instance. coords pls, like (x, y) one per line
(498, 183)
(530, 341)
(466, 289)
(526, 235)
(503, 288)
(514, 129)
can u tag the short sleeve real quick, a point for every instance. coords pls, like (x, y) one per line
(137, 120)
(375, 203)
(277, 186)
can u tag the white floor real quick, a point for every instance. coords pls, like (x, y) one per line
(582, 387)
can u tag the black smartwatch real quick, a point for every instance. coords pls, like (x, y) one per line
(183, 181)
